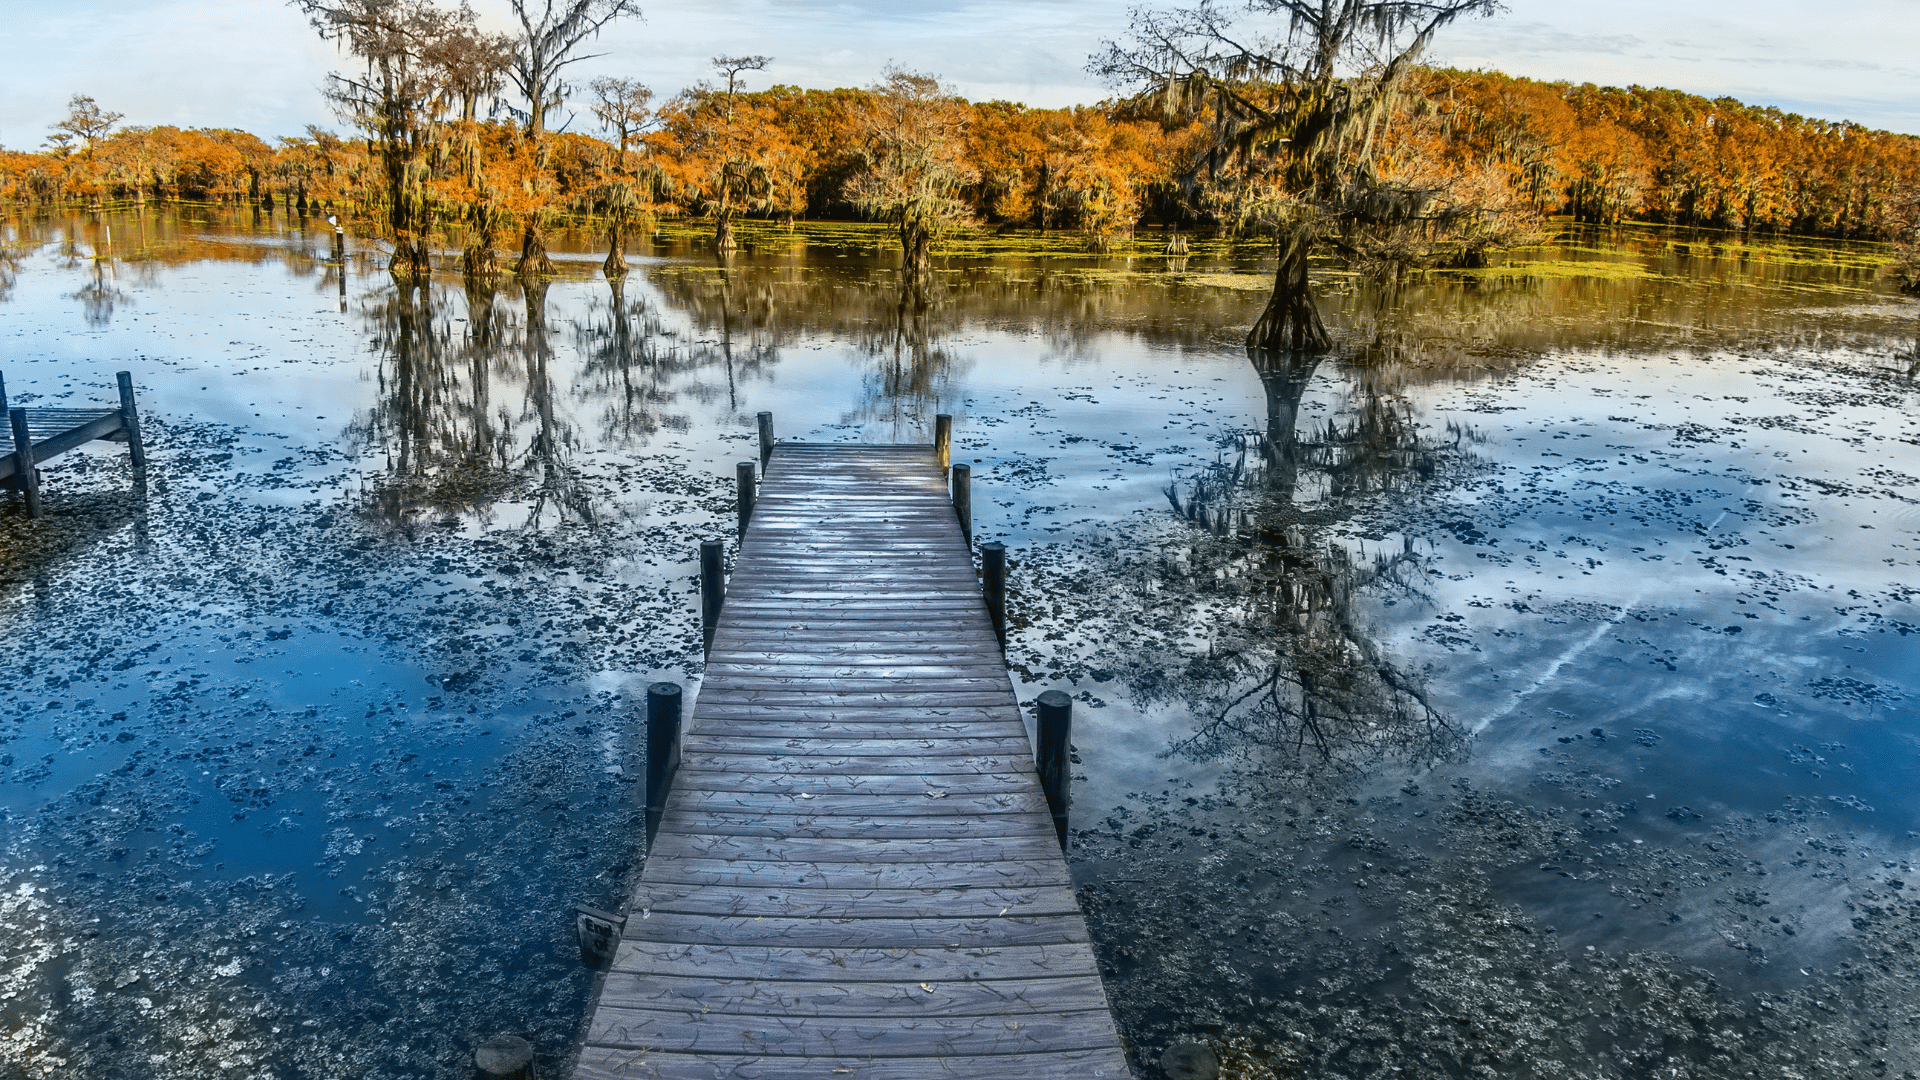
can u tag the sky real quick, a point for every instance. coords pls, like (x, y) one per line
(257, 65)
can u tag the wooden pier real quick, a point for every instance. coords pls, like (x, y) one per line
(35, 435)
(855, 873)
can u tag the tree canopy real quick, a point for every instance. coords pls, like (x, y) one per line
(1459, 163)
(1304, 102)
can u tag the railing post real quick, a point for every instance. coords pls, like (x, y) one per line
(712, 588)
(23, 460)
(960, 479)
(663, 749)
(943, 439)
(504, 1057)
(993, 580)
(766, 438)
(1054, 725)
(743, 493)
(130, 419)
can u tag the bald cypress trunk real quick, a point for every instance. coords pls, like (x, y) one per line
(1291, 322)
(534, 263)
(616, 265)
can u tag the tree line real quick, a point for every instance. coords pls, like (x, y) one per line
(1323, 133)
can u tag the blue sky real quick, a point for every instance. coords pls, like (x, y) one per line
(256, 65)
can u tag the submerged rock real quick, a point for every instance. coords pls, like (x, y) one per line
(1189, 1061)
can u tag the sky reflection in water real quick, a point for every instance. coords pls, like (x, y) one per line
(355, 672)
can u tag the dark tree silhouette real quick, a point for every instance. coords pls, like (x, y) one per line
(550, 36)
(1296, 94)
(398, 98)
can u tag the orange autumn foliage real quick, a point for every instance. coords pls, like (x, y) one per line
(1525, 147)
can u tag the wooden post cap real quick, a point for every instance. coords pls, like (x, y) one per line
(503, 1057)
(1189, 1061)
(1054, 699)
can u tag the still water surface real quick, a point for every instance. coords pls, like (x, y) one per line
(1528, 689)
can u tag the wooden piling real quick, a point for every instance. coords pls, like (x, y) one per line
(766, 437)
(993, 581)
(960, 480)
(743, 493)
(663, 749)
(130, 416)
(340, 246)
(23, 454)
(712, 586)
(1053, 712)
(943, 439)
(503, 1057)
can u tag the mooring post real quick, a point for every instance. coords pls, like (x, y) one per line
(130, 419)
(712, 586)
(993, 581)
(599, 934)
(766, 438)
(663, 749)
(943, 438)
(743, 493)
(23, 460)
(1054, 715)
(503, 1057)
(960, 479)
(340, 246)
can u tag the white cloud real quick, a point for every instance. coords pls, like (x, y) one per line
(255, 64)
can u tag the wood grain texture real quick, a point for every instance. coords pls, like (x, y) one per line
(55, 431)
(856, 873)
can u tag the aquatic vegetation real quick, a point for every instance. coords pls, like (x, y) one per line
(1555, 595)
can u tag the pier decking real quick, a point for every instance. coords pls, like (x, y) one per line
(856, 873)
(35, 435)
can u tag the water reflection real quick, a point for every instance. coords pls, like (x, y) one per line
(1292, 675)
(99, 296)
(349, 720)
(469, 417)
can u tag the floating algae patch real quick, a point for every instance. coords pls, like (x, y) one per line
(316, 806)
(1394, 716)
(1372, 936)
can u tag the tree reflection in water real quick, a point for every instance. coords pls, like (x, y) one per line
(909, 377)
(1291, 671)
(450, 450)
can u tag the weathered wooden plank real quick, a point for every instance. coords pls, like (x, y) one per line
(878, 713)
(864, 850)
(880, 1036)
(803, 902)
(59, 443)
(853, 998)
(854, 827)
(859, 729)
(1007, 746)
(817, 784)
(936, 963)
(614, 1063)
(865, 655)
(857, 764)
(799, 680)
(1006, 873)
(925, 803)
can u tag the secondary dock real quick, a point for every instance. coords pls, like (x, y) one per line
(856, 873)
(36, 435)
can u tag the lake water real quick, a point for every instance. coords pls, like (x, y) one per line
(1528, 689)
